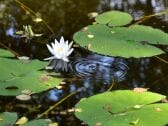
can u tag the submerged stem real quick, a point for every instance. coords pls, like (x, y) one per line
(26, 8)
(56, 104)
(12, 51)
(150, 16)
(147, 17)
(161, 59)
(112, 85)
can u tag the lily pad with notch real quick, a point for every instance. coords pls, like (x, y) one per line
(141, 33)
(123, 108)
(18, 76)
(121, 41)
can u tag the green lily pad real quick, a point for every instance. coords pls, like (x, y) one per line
(5, 53)
(142, 34)
(38, 122)
(8, 119)
(123, 108)
(114, 18)
(107, 41)
(19, 75)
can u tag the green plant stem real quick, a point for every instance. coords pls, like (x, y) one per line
(161, 59)
(56, 104)
(112, 85)
(6, 47)
(144, 18)
(26, 8)
(148, 17)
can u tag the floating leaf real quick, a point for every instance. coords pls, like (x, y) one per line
(107, 41)
(23, 97)
(24, 58)
(92, 15)
(114, 18)
(143, 34)
(7, 119)
(38, 122)
(22, 120)
(53, 124)
(20, 75)
(37, 19)
(123, 108)
(5, 53)
(140, 90)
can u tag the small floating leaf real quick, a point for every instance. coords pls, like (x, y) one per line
(7, 119)
(38, 122)
(140, 90)
(92, 15)
(23, 97)
(24, 58)
(53, 124)
(114, 18)
(59, 87)
(22, 120)
(37, 19)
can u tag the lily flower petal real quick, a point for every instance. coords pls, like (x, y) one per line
(50, 49)
(50, 58)
(60, 50)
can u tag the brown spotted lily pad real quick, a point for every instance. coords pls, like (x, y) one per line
(18, 76)
(123, 108)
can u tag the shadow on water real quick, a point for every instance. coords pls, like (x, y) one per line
(92, 71)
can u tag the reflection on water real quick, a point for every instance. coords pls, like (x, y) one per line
(137, 8)
(93, 67)
(97, 67)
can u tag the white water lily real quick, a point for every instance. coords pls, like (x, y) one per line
(60, 50)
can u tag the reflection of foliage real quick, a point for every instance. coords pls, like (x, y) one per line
(27, 33)
(4, 8)
(61, 14)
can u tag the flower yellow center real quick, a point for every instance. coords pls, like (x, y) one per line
(59, 50)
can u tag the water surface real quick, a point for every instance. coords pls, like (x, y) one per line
(92, 71)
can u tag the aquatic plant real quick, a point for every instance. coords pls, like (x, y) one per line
(123, 108)
(60, 50)
(20, 75)
(112, 35)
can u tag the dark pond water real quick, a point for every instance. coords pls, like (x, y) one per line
(92, 71)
